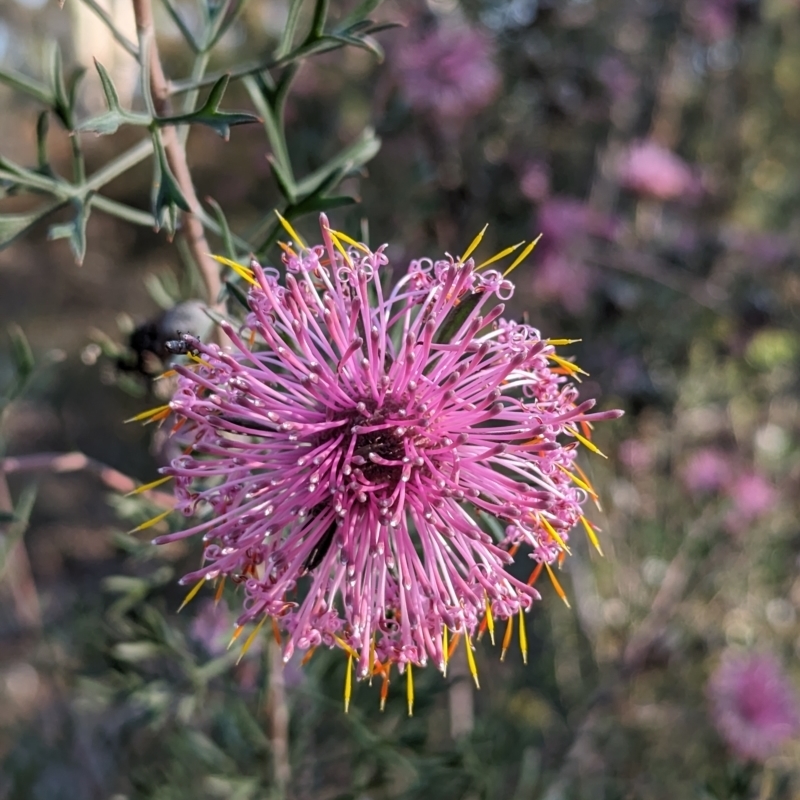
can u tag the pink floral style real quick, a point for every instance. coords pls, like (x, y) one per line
(753, 705)
(449, 73)
(342, 454)
(650, 169)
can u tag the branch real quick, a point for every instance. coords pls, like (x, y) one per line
(76, 462)
(176, 153)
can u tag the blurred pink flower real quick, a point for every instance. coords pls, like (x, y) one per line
(449, 73)
(753, 705)
(212, 627)
(565, 280)
(707, 470)
(565, 224)
(636, 455)
(535, 181)
(764, 248)
(562, 219)
(752, 496)
(714, 20)
(620, 82)
(650, 169)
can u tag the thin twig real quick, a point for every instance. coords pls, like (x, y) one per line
(176, 154)
(78, 462)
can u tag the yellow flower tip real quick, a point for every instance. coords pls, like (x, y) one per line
(250, 639)
(522, 256)
(349, 239)
(489, 619)
(590, 532)
(588, 443)
(473, 244)
(554, 535)
(471, 661)
(240, 269)
(290, 230)
(348, 683)
(523, 637)
(346, 647)
(145, 487)
(191, 595)
(149, 414)
(501, 254)
(445, 651)
(561, 342)
(236, 634)
(410, 689)
(153, 521)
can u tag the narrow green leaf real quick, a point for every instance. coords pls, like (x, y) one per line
(61, 106)
(12, 226)
(318, 20)
(210, 115)
(16, 530)
(75, 230)
(238, 294)
(167, 196)
(42, 126)
(135, 651)
(316, 203)
(225, 231)
(182, 27)
(359, 13)
(21, 353)
(110, 121)
(31, 87)
(455, 318)
(353, 157)
(363, 42)
(284, 181)
(289, 30)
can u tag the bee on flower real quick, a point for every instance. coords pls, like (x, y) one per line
(342, 454)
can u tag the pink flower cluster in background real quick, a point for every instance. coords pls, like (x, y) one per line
(753, 705)
(651, 170)
(341, 454)
(567, 225)
(449, 73)
(710, 471)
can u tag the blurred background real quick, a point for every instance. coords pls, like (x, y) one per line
(655, 146)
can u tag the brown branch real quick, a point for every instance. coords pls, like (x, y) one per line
(278, 718)
(77, 462)
(176, 154)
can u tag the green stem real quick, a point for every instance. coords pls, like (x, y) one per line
(139, 152)
(122, 40)
(122, 211)
(190, 101)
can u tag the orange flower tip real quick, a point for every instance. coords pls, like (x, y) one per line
(236, 634)
(149, 414)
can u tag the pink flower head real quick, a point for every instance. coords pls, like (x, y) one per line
(449, 73)
(714, 20)
(753, 705)
(650, 169)
(707, 471)
(342, 454)
(752, 495)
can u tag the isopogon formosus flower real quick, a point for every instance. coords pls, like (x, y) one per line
(343, 453)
